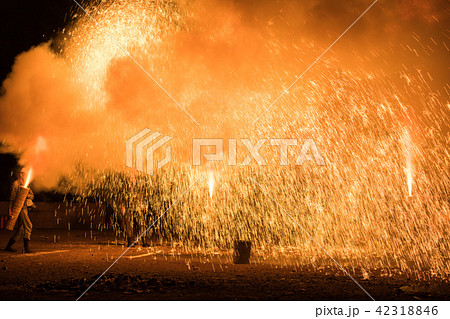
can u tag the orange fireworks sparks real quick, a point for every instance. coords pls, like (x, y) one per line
(225, 71)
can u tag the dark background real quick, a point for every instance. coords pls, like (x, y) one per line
(23, 24)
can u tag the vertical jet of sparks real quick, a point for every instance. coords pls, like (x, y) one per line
(408, 154)
(28, 180)
(210, 183)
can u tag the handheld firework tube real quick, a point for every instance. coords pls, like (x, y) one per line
(18, 203)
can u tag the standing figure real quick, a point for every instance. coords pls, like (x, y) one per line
(24, 223)
(134, 212)
(134, 220)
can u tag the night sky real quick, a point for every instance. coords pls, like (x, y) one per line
(23, 24)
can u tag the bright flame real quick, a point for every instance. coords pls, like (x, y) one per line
(408, 154)
(29, 176)
(211, 183)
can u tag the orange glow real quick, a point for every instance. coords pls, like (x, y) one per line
(41, 145)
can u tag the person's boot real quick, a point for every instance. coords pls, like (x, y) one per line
(9, 246)
(129, 242)
(26, 248)
(144, 242)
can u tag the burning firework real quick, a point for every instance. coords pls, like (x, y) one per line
(19, 201)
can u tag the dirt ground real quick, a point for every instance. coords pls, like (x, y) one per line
(64, 264)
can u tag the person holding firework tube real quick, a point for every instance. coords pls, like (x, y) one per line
(25, 225)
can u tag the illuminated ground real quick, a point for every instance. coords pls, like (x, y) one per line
(62, 271)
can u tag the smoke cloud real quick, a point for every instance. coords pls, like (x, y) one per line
(223, 61)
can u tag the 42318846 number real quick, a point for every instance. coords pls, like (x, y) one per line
(407, 310)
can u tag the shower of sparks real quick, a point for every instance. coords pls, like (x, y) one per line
(135, 61)
(286, 91)
(355, 207)
(133, 28)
